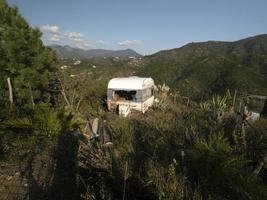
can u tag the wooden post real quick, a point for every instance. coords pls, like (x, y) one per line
(234, 99)
(260, 165)
(32, 99)
(264, 110)
(124, 180)
(10, 90)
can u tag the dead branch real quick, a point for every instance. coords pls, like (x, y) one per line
(78, 105)
(72, 99)
(10, 90)
(64, 93)
(32, 99)
(260, 165)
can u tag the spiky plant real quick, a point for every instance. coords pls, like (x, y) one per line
(214, 166)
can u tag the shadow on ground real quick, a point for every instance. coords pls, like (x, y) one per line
(54, 178)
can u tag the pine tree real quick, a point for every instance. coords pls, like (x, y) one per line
(24, 59)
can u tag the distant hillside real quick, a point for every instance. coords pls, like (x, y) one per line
(71, 52)
(200, 69)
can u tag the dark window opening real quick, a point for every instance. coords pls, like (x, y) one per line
(124, 95)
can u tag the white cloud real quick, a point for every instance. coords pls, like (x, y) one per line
(82, 45)
(58, 36)
(53, 34)
(50, 29)
(130, 42)
(100, 42)
(54, 39)
(86, 45)
(77, 39)
(75, 35)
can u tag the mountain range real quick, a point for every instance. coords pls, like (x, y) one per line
(71, 52)
(200, 69)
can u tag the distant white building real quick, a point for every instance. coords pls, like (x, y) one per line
(64, 66)
(77, 62)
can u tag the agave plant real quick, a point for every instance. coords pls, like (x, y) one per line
(214, 165)
(205, 106)
(218, 104)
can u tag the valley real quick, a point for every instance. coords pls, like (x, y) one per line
(198, 140)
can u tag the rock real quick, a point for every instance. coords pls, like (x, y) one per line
(95, 127)
(17, 174)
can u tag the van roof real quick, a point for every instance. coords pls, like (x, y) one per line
(130, 83)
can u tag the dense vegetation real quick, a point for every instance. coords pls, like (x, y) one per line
(29, 66)
(183, 148)
(199, 70)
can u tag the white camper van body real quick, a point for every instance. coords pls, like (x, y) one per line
(132, 93)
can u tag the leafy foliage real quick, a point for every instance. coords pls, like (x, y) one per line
(199, 70)
(179, 149)
(24, 59)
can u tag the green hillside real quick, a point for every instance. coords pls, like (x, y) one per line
(179, 149)
(202, 69)
(72, 52)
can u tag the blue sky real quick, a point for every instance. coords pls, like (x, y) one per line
(146, 26)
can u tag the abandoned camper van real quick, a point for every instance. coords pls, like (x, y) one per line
(129, 94)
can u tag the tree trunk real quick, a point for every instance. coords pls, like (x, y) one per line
(260, 165)
(10, 90)
(234, 100)
(264, 110)
(32, 99)
(78, 104)
(125, 179)
(63, 93)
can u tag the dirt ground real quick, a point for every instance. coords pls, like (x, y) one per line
(44, 176)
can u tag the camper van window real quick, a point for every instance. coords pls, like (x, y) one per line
(110, 92)
(139, 94)
(147, 93)
(124, 95)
